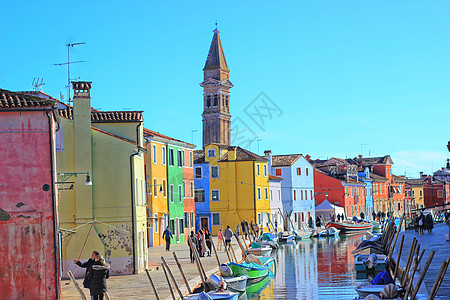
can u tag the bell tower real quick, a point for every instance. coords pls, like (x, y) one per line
(216, 95)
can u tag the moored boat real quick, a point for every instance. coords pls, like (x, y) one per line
(225, 295)
(374, 289)
(285, 236)
(236, 284)
(262, 251)
(332, 231)
(372, 262)
(346, 227)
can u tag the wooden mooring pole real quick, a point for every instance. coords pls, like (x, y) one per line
(422, 275)
(182, 273)
(151, 283)
(168, 281)
(172, 277)
(399, 255)
(439, 278)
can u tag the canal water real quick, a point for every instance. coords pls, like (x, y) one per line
(319, 268)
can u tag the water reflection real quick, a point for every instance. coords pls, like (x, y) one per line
(313, 269)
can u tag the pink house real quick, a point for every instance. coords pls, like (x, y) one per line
(28, 198)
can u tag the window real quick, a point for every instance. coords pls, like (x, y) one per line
(258, 173)
(184, 188)
(211, 152)
(215, 195)
(216, 219)
(311, 194)
(180, 193)
(172, 225)
(156, 223)
(307, 171)
(266, 193)
(200, 196)
(155, 187)
(163, 156)
(171, 157)
(265, 170)
(164, 188)
(190, 159)
(183, 158)
(413, 194)
(186, 217)
(198, 172)
(144, 199)
(154, 154)
(295, 195)
(398, 205)
(192, 219)
(214, 172)
(271, 195)
(137, 191)
(171, 193)
(420, 193)
(301, 194)
(279, 195)
(306, 195)
(440, 194)
(181, 226)
(191, 191)
(259, 218)
(180, 158)
(278, 172)
(299, 171)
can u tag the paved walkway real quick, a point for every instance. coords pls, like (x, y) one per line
(138, 286)
(430, 241)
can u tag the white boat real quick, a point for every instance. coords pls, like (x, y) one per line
(225, 295)
(365, 290)
(333, 231)
(236, 284)
(262, 251)
(376, 262)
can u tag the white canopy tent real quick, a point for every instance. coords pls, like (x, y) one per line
(326, 208)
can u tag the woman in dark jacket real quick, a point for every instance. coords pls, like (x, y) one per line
(99, 274)
(208, 240)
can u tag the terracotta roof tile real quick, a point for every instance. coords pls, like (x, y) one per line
(284, 160)
(199, 156)
(149, 133)
(107, 116)
(15, 100)
(378, 178)
(273, 177)
(243, 155)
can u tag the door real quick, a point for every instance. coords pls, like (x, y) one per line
(204, 222)
(177, 229)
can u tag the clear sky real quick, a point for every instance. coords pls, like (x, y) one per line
(342, 76)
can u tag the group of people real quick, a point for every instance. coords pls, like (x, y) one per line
(97, 271)
(422, 223)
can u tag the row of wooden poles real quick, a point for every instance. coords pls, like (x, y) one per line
(168, 273)
(406, 275)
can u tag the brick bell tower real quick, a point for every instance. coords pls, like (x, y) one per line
(216, 95)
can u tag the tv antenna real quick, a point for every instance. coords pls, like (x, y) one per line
(37, 84)
(70, 46)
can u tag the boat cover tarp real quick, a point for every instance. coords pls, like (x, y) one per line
(255, 245)
(326, 208)
(382, 278)
(204, 296)
(268, 236)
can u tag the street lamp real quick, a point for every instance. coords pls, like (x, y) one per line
(64, 176)
(149, 187)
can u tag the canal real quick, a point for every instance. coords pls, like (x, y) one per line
(320, 268)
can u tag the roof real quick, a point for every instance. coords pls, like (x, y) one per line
(107, 116)
(273, 177)
(378, 178)
(216, 57)
(284, 160)
(17, 100)
(199, 156)
(399, 179)
(243, 155)
(416, 181)
(151, 133)
(384, 160)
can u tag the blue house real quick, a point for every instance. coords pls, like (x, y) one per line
(297, 187)
(201, 183)
(365, 177)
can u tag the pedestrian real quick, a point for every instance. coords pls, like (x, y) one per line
(429, 223)
(421, 223)
(342, 217)
(220, 239)
(167, 235)
(238, 231)
(252, 228)
(194, 242)
(362, 215)
(276, 226)
(88, 265)
(332, 218)
(338, 217)
(379, 215)
(318, 223)
(310, 222)
(374, 216)
(228, 235)
(208, 240)
(416, 223)
(99, 274)
(201, 243)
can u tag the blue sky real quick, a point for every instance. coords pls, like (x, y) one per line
(345, 76)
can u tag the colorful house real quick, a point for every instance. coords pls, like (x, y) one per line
(238, 186)
(202, 193)
(276, 202)
(29, 222)
(297, 187)
(417, 195)
(365, 177)
(107, 214)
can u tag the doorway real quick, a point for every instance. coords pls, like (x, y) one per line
(177, 229)
(204, 222)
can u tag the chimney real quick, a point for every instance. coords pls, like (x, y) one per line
(361, 163)
(308, 157)
(231, 153)
(268, 155)
(430, 179)
(448, 164)
(421, 174)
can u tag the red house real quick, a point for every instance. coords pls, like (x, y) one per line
(435, 192)
(29, 245)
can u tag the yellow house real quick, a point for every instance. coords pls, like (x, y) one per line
(100, 166)
(238, 185)
(417, 193)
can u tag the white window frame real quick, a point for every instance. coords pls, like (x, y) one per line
(266, 193)
(156, 223)
(258, 170)
(180, 158)
(155, 187)
(191, 192)
(184, 188)
(201, 172)
(180, 193)
(155, 157)
(172, 192)
(211, 173)
(213, 151)
(271, 195)
(258, 193)
(265, 170)
(279, 195)
(218, 195)
(172, 154)
(191, 159)
(212, 217)
(163, 156)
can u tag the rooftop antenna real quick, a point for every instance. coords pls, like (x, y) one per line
(70, 46)
(37, 84)
(216, 25)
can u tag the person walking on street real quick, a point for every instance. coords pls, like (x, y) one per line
(194, 242)
(228, 235)
(362, 215)
(429, 223)
(421, 223)
(99, 274)
(88, 265)
(238, 231)
(220, 239)
(208, 240)
(167, 235)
